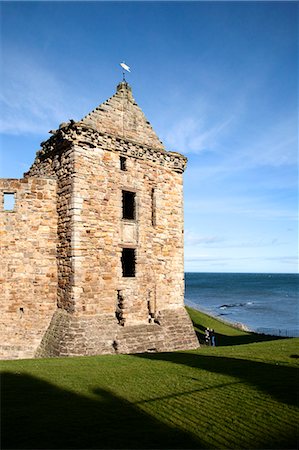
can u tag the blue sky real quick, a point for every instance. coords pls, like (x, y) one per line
(218, 82)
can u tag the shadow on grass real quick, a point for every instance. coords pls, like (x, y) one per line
(250, 338)
(223, 340)
(38, 415)
(281, 382)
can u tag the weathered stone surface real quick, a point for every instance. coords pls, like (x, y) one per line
(28, 293)
(71, 335)
(69, 208)
(121, 116)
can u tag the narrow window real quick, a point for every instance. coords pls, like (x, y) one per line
(154, 221)
(119, 308)
(123, 163)
(128, 262)
(128, 205)
(9, 201)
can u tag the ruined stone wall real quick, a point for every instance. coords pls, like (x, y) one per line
(121, 116)
(71, 200)
(101, 233)
(28, 293)
(97, 233)
(65, 182)
(77, 335)
(56, 160)
(91, 230)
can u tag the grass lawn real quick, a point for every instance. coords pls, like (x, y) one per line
(232, 396)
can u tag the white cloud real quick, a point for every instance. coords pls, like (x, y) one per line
(194, 135)
(288, 260)
(238, 206)
(192, 239)
(274, 146)
(33, 98)
(243, 136)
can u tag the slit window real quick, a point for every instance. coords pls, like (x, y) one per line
(123, 163)
(9, 201)
(154, 218)
(128, 262)
(129, 205)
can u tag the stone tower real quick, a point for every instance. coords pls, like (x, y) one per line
(104, 202)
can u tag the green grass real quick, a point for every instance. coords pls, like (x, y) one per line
(226, 334)
(230, 397)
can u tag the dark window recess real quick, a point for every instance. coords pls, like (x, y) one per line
(9, 201)
(128, 262)
(128, 205)
(153, 197)
(119, 308)
(123, 163)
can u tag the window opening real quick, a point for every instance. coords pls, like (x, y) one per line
(154, 219)
(128, 262)
(129, 205)
(119, 309)
(9, 201)
(123, 163)
(151, 314)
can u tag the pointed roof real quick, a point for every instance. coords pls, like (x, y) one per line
(121, 116)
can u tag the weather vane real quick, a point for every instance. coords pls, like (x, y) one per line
(125, 68)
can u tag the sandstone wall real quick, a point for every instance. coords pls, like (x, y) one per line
(101, 233)
(92, 235)
(121, 116)
(56, 160)
(28, 293)
(65, 241)
(79, 335)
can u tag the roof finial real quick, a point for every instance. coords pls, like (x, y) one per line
(125, 67)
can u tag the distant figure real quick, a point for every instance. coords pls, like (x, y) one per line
(207, 336)
(212, 337)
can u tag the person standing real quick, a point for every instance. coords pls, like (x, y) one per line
(207, 336)
(212, 337)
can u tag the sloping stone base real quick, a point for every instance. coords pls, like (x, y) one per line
(70, 335)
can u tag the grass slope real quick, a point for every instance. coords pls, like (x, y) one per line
(238, 396)
(226, 334)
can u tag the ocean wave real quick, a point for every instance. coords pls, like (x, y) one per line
(234, 305)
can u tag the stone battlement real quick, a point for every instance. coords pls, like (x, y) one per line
(80, 133)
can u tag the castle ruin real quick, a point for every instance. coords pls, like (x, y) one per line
(92, 249)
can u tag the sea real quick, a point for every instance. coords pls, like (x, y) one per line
(262, 302)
